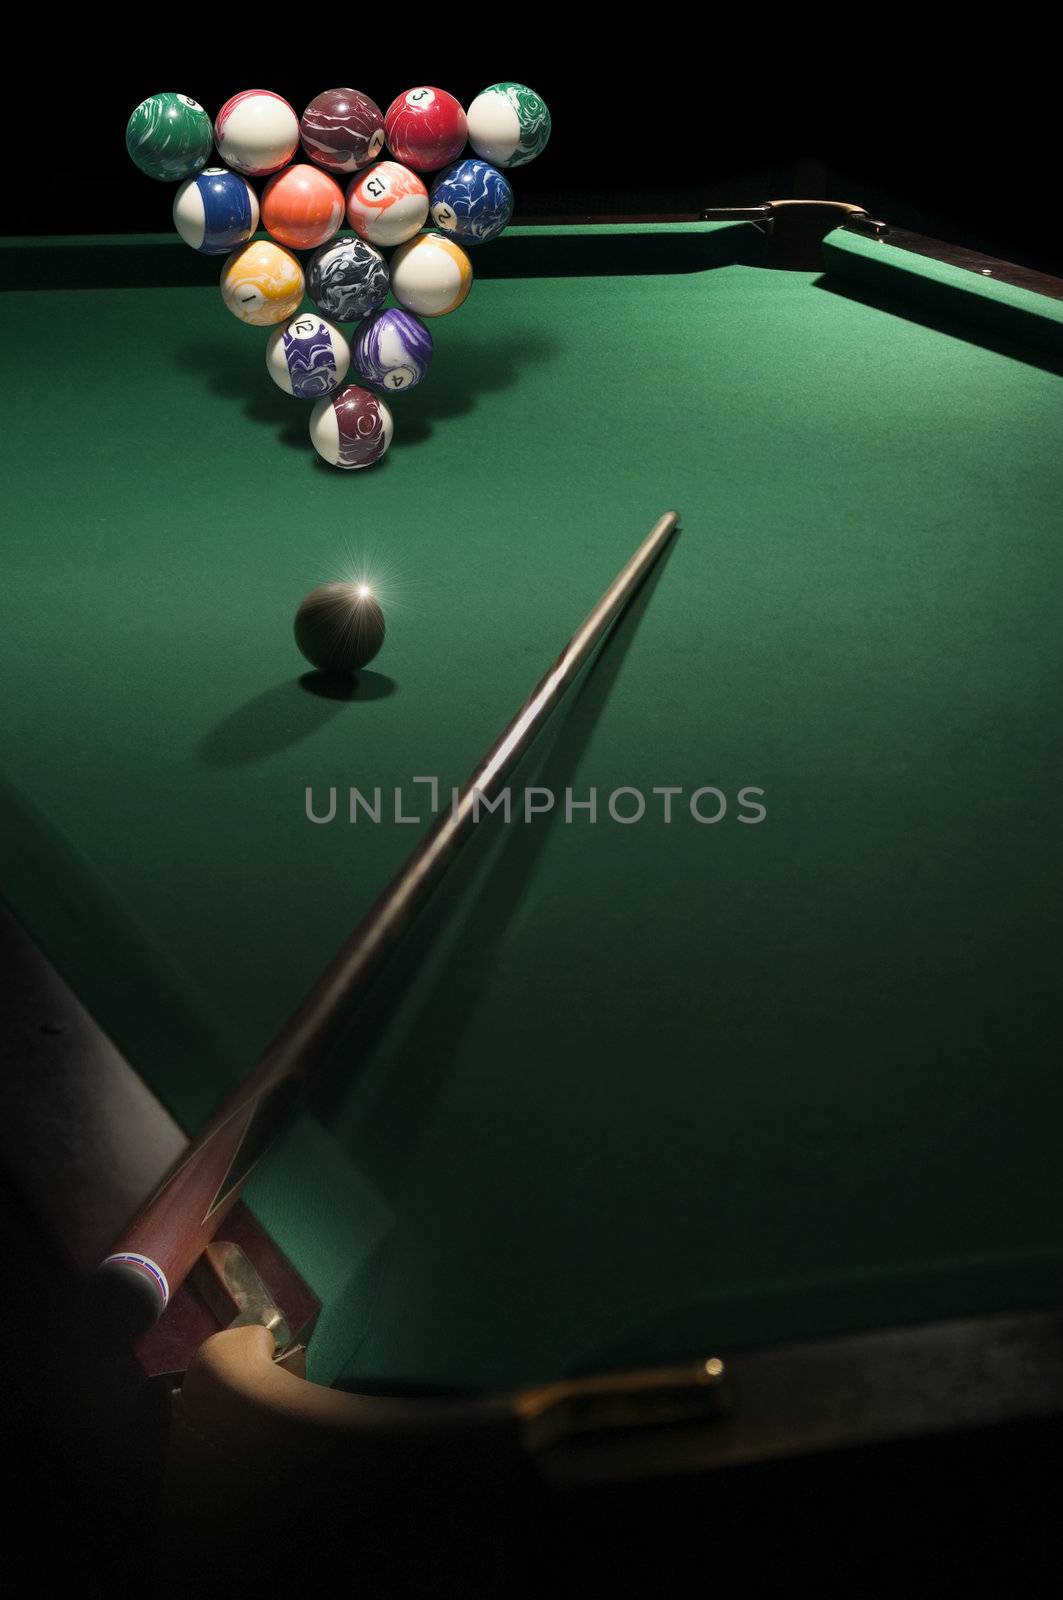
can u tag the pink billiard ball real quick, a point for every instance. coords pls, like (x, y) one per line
(425, 129)
(256, 132)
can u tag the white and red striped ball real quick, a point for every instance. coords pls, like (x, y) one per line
(351, 429)
(256, 132)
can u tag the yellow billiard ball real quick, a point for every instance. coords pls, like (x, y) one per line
(262, 283)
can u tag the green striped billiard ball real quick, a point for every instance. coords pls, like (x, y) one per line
(508, 125)
(169, 137)
(340, 627)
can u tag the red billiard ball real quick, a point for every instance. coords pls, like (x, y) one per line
(302, 206)
(425, 129)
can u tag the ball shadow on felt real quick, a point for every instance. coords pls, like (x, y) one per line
(237, 371)
(463, 370)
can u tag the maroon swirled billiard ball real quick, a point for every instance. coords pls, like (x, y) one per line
(340, 627)
(425, 129)
(342, 129)
(351, 428)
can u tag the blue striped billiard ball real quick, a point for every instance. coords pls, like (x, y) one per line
(215, 211)
(307, 357)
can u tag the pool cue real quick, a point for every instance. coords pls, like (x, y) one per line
(163, 1242)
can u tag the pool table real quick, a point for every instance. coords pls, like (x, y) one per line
(771, 1069)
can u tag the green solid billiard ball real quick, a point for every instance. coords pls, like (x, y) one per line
(340, 627)
(169, 137)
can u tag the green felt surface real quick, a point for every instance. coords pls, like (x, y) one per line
(628, 1091)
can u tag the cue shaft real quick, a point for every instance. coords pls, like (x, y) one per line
(311, 1028)
(165, 1239)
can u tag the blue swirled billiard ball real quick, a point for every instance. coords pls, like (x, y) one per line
(215, 211)
(392, 350)
(346, 279)
(472, 202)
(307, 357)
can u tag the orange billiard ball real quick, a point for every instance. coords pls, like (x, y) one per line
(302, 206)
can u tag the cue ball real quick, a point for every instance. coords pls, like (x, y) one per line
(340, 627)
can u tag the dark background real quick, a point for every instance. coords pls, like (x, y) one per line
(963, 152)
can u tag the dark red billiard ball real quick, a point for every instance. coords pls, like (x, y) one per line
(342, 129)
(340, 627)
